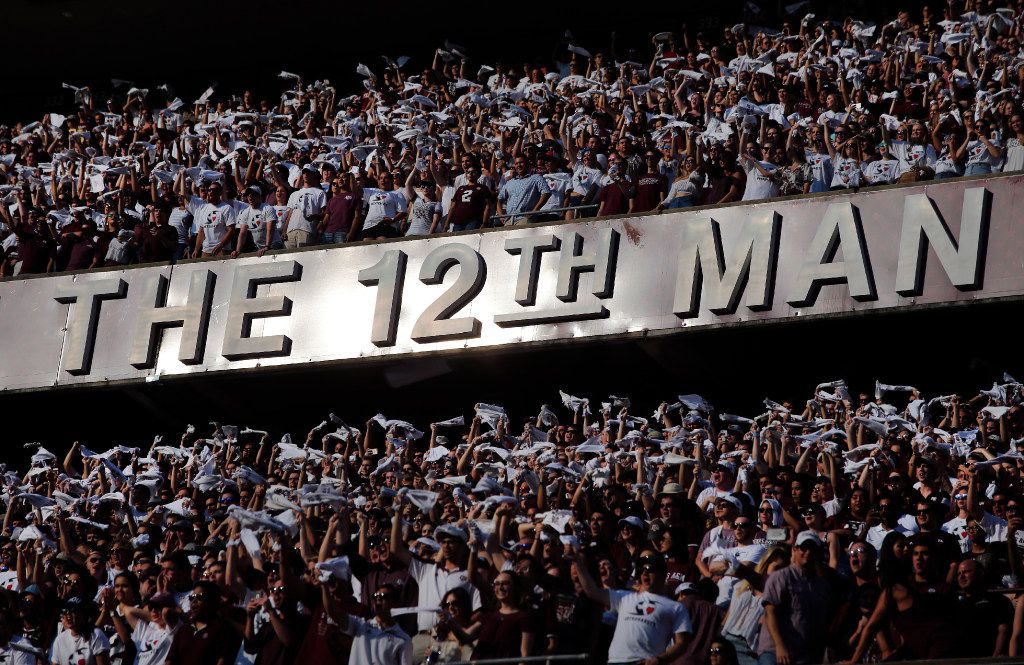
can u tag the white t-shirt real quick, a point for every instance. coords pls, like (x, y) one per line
(18, 651)
(832, 506)
(9, 581)
(821, 168)
(70, 650)
(711, 492)
(880, 171)
(989, 522)
(282, 213)
(373, 645)
(759, 186)
(152, 642)
(945, 164)
(304, 203)
(846, 172)
(484, 180)
(434, 582)
(583, 178)
(645, 626)
(977, 153)
(421, 216)
(255, 220)
(911, 155)
(876, 534)
(213, 219)
(381, 204)
(558, 185)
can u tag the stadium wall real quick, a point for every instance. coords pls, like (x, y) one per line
(827, 255)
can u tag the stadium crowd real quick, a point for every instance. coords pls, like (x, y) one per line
(748, 114)
(850, 527)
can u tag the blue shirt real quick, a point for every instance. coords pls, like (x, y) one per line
(522, 194)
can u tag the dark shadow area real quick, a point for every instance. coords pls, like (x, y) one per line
(940, 351)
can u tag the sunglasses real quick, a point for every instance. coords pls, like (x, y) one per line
(380, 595)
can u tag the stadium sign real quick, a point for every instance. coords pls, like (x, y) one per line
(896, 247)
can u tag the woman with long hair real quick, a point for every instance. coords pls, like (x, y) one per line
(671, 543)
(456, 609)
(722, 652)
(854, 513)
(798, 176)
(506, 632)
(1015, 145)
(124, 594)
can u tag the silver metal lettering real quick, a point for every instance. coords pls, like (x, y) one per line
(245, 306)
(435, 324)
(601, 261)
(703, 266)
(193, 317)
(963, 261)
(572, 263)
(84, 318)
(529, 249)
(839, 228)
(388, 275)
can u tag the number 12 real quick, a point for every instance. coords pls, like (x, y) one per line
(435, 323)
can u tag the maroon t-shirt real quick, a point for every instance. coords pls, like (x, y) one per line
(342, 211)
(34, 249)
(615, 196)
(650, 190)
(216, 641)
(82, 251)
(158, 243)
(468, 203)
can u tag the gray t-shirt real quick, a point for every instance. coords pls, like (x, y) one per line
(802, 605)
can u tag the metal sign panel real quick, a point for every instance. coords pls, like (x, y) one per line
(833, 254)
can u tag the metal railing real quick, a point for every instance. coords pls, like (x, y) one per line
(571, 658)
(547, 211)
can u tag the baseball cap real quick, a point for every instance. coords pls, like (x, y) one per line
(807, 538)
(732, 500)
(450, 531)
(725, 465)
(634, 522)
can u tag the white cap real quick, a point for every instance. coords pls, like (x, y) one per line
(807, 537)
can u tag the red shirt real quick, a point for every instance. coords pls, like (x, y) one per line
(468, 203)
(615, 196)
(341, 210)
(650, 190)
